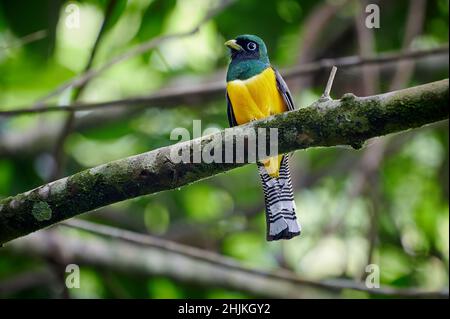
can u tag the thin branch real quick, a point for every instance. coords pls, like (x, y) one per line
(373, 156)
(403, 74)
(374, 194)
(189, 96)
(147, 240)
(348, 121)
(413, 28)
(326, 93)
(366, 48)
(137, 50)
(313, 27)
(39, 138)
(356, 61)
(58, 152)
(146, 255)
(32, 37)
(312, 30)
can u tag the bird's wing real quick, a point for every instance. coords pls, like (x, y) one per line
(285, 93)
(284, 90)
(231, 119)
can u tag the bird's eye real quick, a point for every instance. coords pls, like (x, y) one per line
(251, 46)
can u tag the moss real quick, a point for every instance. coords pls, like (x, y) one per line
(58, 189)
(348, 97)
(350, 121)
(42, 211)
(290, 133)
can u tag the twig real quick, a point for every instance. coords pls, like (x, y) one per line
(314, 26)
(370, 80)
(56, 261)
(356, 61)
(326, 93)
(366, 173)
(413, 28)
(189, 96)
(312, 30)
(145, 240)
(32, 37)
(337, 123)
(58, 152)
(137, 50)
(403, 74)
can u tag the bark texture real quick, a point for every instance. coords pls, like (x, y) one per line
(350, 121)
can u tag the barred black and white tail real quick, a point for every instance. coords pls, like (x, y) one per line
(280, 205)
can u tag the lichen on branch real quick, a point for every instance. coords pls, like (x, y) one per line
(350, 120)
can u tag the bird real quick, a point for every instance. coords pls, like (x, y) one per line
(256, 90)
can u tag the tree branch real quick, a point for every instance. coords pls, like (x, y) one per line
(24, 281)
(39, 138)
(146, 255)
(86, 76)
(35, 36)
(58, 152)
(195, 95)
(348, 121)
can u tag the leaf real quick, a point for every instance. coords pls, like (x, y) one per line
(27, 17)
(153, 18)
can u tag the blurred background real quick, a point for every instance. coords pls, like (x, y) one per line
(386, 204)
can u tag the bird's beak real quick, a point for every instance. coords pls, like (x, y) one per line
(232, 44)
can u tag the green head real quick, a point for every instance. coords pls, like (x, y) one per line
(248, 57)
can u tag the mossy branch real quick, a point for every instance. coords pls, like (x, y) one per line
(348, 121)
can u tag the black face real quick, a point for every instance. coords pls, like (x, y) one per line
(250, 49)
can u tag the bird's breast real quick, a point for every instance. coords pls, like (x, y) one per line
(256, 97)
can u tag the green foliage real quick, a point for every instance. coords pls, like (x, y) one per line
(24, 18)
(156, 218)
(117, 9)
(408, 192)
(154, 18)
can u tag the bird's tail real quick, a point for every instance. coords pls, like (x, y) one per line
(279, 200)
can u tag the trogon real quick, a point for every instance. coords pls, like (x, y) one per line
(255, 90)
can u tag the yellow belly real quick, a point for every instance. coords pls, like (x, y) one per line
(256, 98)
